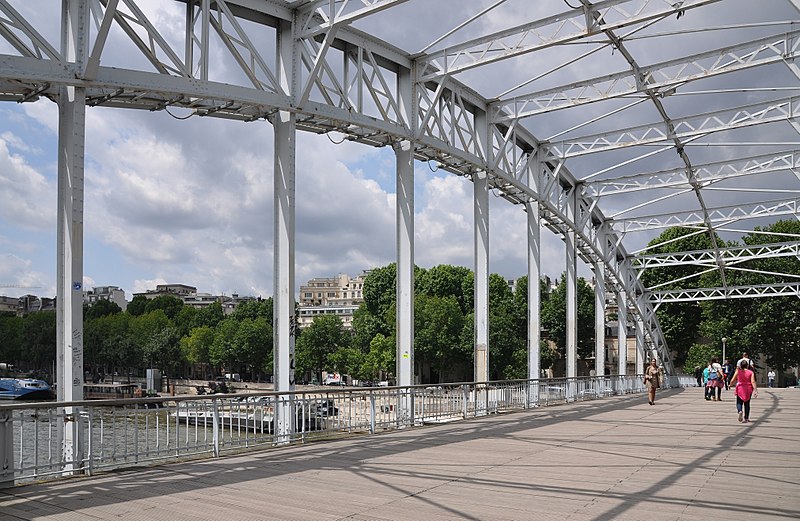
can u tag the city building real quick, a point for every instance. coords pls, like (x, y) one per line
(9, 304)
(110, 293)
(175, 290)
(340, 295)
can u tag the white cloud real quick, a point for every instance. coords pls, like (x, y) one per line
(27, 196)
(19, 277)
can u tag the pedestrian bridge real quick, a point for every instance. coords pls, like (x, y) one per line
(613, 458)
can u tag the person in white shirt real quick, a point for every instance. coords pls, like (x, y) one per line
(771, 378)
(750, 362)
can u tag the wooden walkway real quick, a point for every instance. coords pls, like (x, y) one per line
(619, 459)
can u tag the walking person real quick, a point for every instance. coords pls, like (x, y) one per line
(706, 389)
(745, 381)
(771, 378)
(652, 380)
(727, 372)
(715, 377)
(698, 374)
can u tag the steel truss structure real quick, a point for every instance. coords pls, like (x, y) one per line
(673, 130)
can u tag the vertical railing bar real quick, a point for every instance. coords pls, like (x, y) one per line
(90, 441)
(136, 433)
(35, 442)
(215, 427)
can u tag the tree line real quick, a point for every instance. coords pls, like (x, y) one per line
(768, 326)
(182, 340)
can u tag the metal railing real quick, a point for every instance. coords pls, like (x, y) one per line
(123, 433)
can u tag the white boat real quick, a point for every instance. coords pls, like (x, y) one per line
(24, 388)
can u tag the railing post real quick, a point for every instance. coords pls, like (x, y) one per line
(215, 426)
(89, 443)
(6, 449)
(464, 401)
(371, 412)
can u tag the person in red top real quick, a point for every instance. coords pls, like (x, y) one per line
(745, 381)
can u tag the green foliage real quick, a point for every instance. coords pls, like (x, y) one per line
(699, 355)
(222, 351)
(437, 325)
(380, 360)
(319, 341)
(379, 290)
(680, 322)
(137, 306)
(252, 344)
(169, 304)
(13, 344)
(39, 333)
(102, 308)
(446, 280)
(554, 313)
(196, 347)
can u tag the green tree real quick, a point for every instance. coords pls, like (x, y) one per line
(506, 333)
(186, 320)
(143, 329)
(210, 315)
(680, 322)
(365, 327)
(318, 342)
(39, 333)
(379, 293)
(554, 313)
(254, 309)
(12, 345)
(438, 323)
(162, 348)
(348, 360)
(222, 352)
(170, 304)
(196, 347)
(380, 360)
(137, 306)
(101, 308)
(252, 343)
(445, 280)
(699, 355)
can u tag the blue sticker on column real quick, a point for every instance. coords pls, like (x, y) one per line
(77, 286)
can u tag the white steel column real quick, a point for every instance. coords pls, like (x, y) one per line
(284, 125)
(534, 276)
(480, 182)
(69, 298)
(405, 263)
(622, 333)
(534, 295)
(641, 354)
(572, 291)
(599, 319)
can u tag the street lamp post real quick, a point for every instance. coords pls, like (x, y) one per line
(723, 349)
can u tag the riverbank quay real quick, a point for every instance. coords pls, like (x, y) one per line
(683, 459)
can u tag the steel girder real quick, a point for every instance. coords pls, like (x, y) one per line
(563, 28)
(785, 289)
(348, 83)
(662, 78)
(687, 128)
(706, 174)
(709, 258)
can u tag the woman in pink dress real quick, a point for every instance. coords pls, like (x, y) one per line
(745, 381)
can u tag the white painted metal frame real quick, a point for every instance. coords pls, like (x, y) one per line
(329, 76)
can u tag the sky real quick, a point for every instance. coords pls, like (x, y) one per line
(190, 201)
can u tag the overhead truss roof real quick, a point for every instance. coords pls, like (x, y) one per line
(644, 114)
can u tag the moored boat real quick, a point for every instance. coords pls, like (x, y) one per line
(24, 388)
